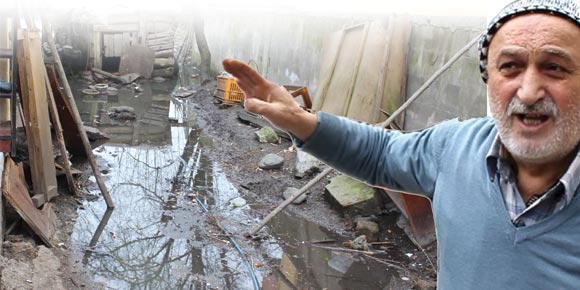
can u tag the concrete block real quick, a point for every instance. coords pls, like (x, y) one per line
(354, 196)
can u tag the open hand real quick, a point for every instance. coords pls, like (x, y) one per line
(270, 100)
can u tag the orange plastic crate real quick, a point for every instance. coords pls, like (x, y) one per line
(228, 90)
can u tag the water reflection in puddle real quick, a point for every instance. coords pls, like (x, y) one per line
(158, 237)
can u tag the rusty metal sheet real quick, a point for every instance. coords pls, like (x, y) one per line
(418, 211)
(16, 192)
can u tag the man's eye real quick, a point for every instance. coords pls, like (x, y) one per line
(507, 65)
(555, 67)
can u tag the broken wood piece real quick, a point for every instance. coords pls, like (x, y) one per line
(34, 99)
(59, 137)
(79, 122)
(97, 234)
(345, 250)
(15, 190)
(117, 79)
(296, 91)
(71, 132)
(60, 170)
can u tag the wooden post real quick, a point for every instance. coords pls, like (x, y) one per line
(79, 121)
(59, 137)
(97, 56)
(34, 99)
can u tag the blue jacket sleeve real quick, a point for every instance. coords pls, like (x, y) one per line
(380, 157)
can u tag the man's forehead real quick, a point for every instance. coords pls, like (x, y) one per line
(567, 9)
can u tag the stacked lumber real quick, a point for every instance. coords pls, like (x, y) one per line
(162, 44)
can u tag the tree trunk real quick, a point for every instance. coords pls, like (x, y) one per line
(205, 64)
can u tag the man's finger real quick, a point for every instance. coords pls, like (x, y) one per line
(243, 72)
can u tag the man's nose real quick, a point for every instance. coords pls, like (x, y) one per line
(532, 87)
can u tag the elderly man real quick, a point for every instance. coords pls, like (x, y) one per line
(504, 189)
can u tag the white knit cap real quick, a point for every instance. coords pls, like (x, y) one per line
(564, 8)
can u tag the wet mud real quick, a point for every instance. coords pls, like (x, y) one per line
(184, 179)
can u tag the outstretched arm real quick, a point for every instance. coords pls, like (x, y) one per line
(271, 101)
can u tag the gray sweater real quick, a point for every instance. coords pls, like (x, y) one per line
(478, 246)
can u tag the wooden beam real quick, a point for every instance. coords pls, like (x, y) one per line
(58, 131)
(78, 120)
(31, 68)
(97, 50)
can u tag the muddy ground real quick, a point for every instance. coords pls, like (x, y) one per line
(27, 264)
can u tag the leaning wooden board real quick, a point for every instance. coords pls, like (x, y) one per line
(37, 124)
(15, 190)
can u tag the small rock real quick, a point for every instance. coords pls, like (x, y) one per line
(267, 135)
(291, 191)
(425, 285)
(238, 202)
(158, 79)
(271, 161)
(367, 228)
(306, 165)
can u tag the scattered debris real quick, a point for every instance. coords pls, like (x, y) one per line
(122, 113)
(359, 243)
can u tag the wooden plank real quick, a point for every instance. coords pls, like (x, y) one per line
(37, 122)
(158, 41)
(56, 124)
(97, 50)
(78, 120)
(161, 47)
(16, 193)
(396, 67)
(363, 99)
(338, 90)
(164, 53)
(157, 35)
(331, 51)
(356, 68)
